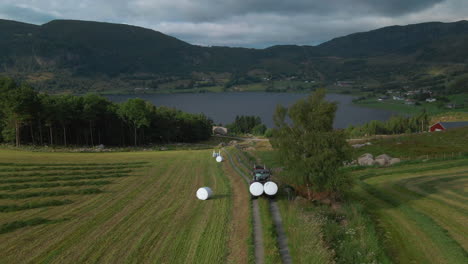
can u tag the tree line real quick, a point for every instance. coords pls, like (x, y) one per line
(29, 117)
(395, 125)
(247, 125)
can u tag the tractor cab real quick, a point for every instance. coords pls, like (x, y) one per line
(260, 174)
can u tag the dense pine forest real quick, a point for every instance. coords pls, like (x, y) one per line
(29, 117)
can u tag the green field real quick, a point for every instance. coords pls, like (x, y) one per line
(421, 210)
(446, 144)
(137, 207)
(140, 207)
(431, 108)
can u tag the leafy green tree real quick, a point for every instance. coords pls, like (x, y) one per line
(244, 124)
(94, 107)
(68, 109)
(135, 112)
(18, 104)
(259, 130)
(49, 113)
(311, 150)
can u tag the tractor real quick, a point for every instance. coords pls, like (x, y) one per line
(261, 183)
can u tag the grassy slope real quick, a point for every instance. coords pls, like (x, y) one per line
(304, 231)
(148, 215)
(422, 215)
(241, 238)
(448, 143)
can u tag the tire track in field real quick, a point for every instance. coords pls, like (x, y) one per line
(278, 222)
(257, 223)
(275, 212)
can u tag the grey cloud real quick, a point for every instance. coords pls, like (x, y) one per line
(249, 23)
(212, 10)
(25, 14)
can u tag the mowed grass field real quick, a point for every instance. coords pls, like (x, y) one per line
(134, 207)
(421, 210)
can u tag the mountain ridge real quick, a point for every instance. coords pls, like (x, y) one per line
(64, 53)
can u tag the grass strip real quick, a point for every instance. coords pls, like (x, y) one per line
(304, 231)
(32, 205)
(453, 252)
(73, 173)
(15, 196)
(52, 179)
(72, 164)
(270, 244)
(52, 185)
(351, 234)
(16, 169)
(12, 226)
(422, 193)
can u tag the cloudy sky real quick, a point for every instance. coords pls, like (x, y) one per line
(245, 23)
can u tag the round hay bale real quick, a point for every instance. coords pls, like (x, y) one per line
(270, 188)
(219, 158)
(256, 189)
(204, 193)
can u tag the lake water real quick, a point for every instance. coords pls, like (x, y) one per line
(223, 107)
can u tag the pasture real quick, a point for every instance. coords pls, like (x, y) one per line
(137, 207)
(421, 210)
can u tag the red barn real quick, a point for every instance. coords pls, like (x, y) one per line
(441, 126)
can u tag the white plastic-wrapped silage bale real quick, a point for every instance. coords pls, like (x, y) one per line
(204, 193)
(270, 188)
(256, 189)
(219, 158)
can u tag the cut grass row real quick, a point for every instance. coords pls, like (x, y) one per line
(154, 217)
(68, 178)
(270, 243)
(52, 185)
(64, 173)
(421, 213)
(16, 196)
(33, 205)
(12, 226)
(72, 164)
(75, 168)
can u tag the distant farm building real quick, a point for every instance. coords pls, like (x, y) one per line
(382, 98)
(441, 126)
(344, 83)
(431, 100)
(218, 130)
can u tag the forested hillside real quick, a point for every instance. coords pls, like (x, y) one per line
(81, 56)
